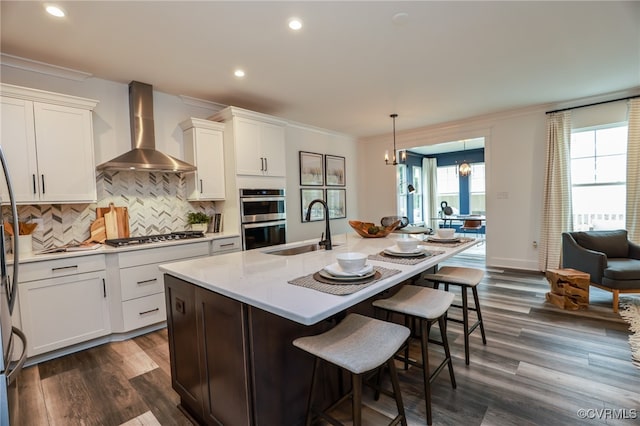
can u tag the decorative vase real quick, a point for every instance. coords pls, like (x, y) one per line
(202, 227)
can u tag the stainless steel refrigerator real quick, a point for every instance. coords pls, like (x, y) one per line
(9, 366)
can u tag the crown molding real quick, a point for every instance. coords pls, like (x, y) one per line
(201, 103)
(37, 95)
(42, 68)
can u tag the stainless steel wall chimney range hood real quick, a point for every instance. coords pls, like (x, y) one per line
(143, 155)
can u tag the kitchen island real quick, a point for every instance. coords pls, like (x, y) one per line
(231, 320)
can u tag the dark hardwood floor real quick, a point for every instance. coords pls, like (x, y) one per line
(541, 366)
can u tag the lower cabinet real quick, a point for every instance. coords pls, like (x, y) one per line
(67, 306)
(225, 245)
(234, 364)
(141, 302)
(209, 355)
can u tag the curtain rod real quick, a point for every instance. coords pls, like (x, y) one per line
(595, 103)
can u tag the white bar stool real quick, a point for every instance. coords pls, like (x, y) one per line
(466, 278)
(357, 344)
(428, 306)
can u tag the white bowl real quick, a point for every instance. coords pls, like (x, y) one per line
(407, 244)
(446, 232)
(351, 261)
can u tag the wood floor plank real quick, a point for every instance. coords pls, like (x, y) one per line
(144, 419)
(155, 388)
(31, 400)
(99, 396)
(131, 358)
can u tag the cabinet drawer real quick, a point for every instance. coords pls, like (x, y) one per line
(163, 254)
(140, 281)
(144, 311)
(225, 245)
(46, 269)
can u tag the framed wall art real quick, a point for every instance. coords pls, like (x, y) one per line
(337, 203)
(334, 170)
(306, 197)
(311, 169)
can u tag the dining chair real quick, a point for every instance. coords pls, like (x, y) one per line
(471, 225)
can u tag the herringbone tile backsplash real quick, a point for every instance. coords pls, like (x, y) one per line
(156, 203)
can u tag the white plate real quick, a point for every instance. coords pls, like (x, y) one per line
(443, 240)
(336, 270)
(327, 275)
(395, 251)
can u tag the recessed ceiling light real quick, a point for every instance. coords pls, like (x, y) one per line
(295, 24)
(54, 10)
(238, 73)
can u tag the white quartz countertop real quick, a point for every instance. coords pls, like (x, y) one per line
(260, 279)
(105, 249)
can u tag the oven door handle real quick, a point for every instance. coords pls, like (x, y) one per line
(263, 224)
(246, 199)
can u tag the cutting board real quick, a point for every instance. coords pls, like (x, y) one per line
(98, 231)
(111, 225)
(116, 220)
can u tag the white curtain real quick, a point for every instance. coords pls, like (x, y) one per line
(556, 203)
(633, 172)
(430, 187)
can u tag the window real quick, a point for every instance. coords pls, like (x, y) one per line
(476, 189)
(401, 179)
(417, 195)
(449, 187)
(598, 177)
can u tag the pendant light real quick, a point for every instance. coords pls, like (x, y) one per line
(386, 154)
(464, 169)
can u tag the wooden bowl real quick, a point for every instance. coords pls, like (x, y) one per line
(371, 230)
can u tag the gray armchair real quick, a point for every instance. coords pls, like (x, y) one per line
(608, 256)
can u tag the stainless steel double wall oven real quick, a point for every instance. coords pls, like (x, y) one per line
(263, 217)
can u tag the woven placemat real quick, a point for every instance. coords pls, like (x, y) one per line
(463, 240)
(342, 288)
(404, 260)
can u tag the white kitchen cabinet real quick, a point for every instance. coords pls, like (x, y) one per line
(63, 302)
(141, 283)
(204, 148)
(259, 141)
(48, 142)
(225, 245)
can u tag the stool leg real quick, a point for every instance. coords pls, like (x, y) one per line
(442, 321)
(425, 368)
(465, 323)
(316, 364)
(396, 391)
(408, 322)
(477, 302)
(356, 384)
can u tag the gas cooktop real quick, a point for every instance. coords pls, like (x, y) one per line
(184, 235)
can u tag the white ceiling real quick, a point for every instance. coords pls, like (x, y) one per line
(351, 65)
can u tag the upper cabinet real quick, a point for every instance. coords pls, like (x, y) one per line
(259, 141)
(204, 148)
(47, 139)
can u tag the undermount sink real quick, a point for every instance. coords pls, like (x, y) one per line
(290, 251)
